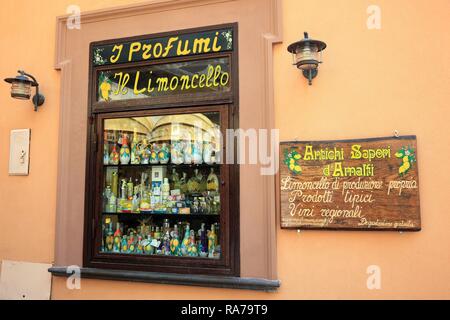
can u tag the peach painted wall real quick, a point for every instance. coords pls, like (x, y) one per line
(372, 83)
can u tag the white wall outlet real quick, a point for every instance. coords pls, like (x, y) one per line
(19, 152)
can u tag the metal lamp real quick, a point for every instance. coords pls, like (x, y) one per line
(307, 55)
(21, 88)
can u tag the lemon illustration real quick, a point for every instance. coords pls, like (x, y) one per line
(405, 159)
(297, 156)
(292, 161)
(298, 168)
(292, 166)
(404, 168)
(175, 243)
(105, 88)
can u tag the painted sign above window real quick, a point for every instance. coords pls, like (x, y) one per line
(206, 76)
(212, 41)
(370, 184)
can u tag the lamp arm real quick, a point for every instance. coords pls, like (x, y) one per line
(30, 76)
(37, 97)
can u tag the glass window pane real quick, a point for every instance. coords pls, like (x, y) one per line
(161, 190)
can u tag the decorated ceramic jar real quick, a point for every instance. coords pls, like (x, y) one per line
(164, 154)
(177, 152)
(154, 159)
(187, 152)
(197, 152)
(208, 152)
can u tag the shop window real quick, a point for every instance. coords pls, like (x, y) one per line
(160, 196)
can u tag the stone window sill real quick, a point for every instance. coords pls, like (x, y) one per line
(173, 279)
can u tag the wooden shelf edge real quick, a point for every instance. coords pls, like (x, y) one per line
(173, 278)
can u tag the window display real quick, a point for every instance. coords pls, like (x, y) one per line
(157, 171)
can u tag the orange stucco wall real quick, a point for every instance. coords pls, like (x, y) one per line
(372, 83)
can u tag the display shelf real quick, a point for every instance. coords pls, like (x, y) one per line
(162, 215)
(181, 166)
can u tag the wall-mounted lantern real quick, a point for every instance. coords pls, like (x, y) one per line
(21, 88)
(307, 54)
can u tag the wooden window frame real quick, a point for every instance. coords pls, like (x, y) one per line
(225, 103)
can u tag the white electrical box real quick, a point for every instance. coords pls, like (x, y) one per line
(19, 152)
(25, 281)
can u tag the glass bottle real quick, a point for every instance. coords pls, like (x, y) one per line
(148, 248)
(175, 180)
(124, 244)
(106, 196)
(115, 183)
(192, 248)
(140, 245)
(165, 249)
(175, 242)
(105, 153)
(186, 241)
(212, 238)
(117, 238)
(212, 182)
(203, 244)
(135, 159)
(131, 243)
(183, 183)
(109, 240)
(194, 182)
(130, 188)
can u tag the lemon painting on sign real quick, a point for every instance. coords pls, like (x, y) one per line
(291, 159)
(408, 157)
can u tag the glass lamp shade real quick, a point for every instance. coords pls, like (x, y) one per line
(307, 57)
(21, 90)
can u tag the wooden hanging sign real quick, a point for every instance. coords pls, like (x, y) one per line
(367, 184)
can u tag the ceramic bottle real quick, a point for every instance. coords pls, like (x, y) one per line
(114, 156)
(125, 151)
